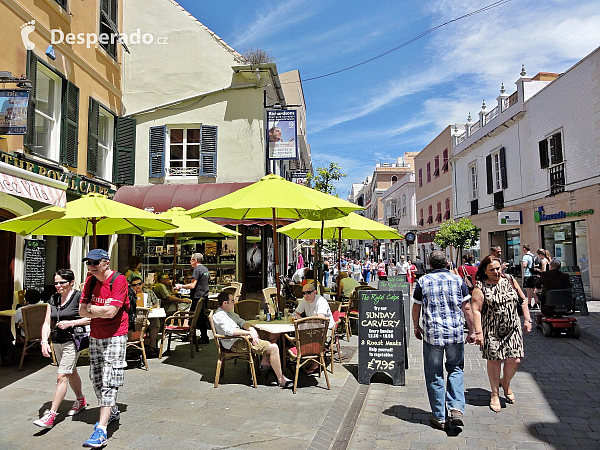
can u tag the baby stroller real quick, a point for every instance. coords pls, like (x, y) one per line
(557, 304)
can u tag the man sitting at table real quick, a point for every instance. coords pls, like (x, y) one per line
(348, 284)
(228, 323)
(168, 301)
(139, 288)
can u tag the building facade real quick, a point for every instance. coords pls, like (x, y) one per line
(530, 168)
(400, 212)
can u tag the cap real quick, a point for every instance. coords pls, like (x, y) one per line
(97, 254)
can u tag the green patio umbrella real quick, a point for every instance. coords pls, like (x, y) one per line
(274, 197)
(90, 215)
(353, 226)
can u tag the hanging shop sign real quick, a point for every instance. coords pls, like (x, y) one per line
(281, 134)
(13, 111)
(76, 184)
(299, 177)
(427, 237)
(540, 216)
(510, 218)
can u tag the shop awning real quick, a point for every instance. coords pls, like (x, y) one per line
(161, 197)
(25, 184)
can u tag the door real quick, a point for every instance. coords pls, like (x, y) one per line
(7, 264)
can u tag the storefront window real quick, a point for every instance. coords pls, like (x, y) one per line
(510, 243)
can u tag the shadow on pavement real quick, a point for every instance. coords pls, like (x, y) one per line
(417, 416)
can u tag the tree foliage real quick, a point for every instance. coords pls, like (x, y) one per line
(325, 177)
(460, 235)
(258, 56)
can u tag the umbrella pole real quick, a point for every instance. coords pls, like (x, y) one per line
(174, 275)
(321, 266)
(339, 264)
(276, 248)
(94, 240)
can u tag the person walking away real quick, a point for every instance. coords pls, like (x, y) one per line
(373, 268)
(198, 293)
(498, 326)
(420, 268)
(441, 299)
(527, 263)
(393, 269)
(63, 311)
(326, 272)
(105, 300)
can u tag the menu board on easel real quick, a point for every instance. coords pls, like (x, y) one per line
(35, 262)
(577, 288)
(399, 283)
(381, 346)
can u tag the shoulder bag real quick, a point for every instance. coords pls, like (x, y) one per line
(519, 299)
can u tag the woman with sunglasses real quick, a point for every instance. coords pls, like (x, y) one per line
(63, 312)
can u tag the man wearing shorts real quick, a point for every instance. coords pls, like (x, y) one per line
(228, 323)
(107, 305)
(528, 276)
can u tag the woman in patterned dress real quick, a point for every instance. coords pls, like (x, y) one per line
(498, 326)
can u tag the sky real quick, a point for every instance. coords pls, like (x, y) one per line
(401, 101)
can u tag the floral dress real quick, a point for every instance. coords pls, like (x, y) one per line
(502, 334)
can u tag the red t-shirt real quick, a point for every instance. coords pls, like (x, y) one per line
(469, 271)
(119, 324)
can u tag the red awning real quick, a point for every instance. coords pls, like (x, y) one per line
(161, 197)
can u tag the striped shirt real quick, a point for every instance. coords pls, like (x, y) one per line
(441, 295)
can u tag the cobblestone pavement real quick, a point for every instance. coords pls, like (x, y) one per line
(557, 400)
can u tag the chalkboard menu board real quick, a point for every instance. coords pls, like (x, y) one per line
(577, 288)
(35, 261)
(381, 345)
(398, 283)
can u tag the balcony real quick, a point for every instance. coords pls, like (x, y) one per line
(557, 179)
(183, 171)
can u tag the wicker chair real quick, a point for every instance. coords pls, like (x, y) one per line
(33, 319)
(136, 338)
(238, 290)
(309, 345)
(334, 342)
(225, 354)
(297, 291)
(247, 309)
(175, 325)
(268, 294)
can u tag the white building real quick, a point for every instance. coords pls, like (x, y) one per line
(400, 212)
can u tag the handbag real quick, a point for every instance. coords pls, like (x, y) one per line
(467, 279)
(79, 334)
(520, 300)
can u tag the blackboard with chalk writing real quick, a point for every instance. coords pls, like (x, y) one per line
(577, 288)
(399, 284)
(35, 262)
(381, 344)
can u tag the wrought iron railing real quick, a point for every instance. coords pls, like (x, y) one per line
(557, 179)
(183, 171)
(491, 115)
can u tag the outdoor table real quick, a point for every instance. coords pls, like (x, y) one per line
(10, 313)
(276, 326)
(157, 313)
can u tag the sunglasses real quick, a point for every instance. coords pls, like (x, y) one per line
(94, 262)
(308, 292)
(136, 284)
(56, 283)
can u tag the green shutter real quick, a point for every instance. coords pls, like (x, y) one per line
(69, 129)
(543, 149)
(503, 173)
(124, 151)
(29, 138)
(208, 151)
(92, 144)
(158, 136)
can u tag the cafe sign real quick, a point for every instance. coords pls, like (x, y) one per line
(76, 184)
(13, 111)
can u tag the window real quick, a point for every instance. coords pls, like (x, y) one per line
(421, 217)
(109, 19)
(47, 113)
(62, 3)
(438, 216)
(106, 128)
(436, 172)
(496, 171)
(403, 205)
(474, 184)
(184, 151)
(445, 156)
(554, 161)
(430, 215)
(420, 177)
(429, 172)
(447, 213)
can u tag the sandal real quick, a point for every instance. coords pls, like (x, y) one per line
(510, 397)
(496, 407)
(286, 384)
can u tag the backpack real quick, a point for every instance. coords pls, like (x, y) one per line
(536, 265)
(130, 293)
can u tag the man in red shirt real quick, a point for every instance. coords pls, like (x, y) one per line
(107, 305)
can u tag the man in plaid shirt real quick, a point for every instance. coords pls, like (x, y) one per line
(107, 305)
(441, 298)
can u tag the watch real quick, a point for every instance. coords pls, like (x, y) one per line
(529, 320)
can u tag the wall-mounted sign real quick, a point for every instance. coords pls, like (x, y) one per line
(13, 111)
(540, 216)
(510, 218)
(281, 134)
(34, 191)
(427, 237)
(299, 177)
(76, 184)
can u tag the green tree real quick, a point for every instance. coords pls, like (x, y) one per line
(460, 235)
(325, 177)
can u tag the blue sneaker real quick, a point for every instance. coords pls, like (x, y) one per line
(114, 415)
(96, 440)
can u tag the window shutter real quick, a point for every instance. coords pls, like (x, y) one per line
(69, 127)
(208, 153)
(29, 138)
(556, 155)
(544, 163)
(490, 176)
(158, 137)
(124, 151)
(92, 144)
(503, 174)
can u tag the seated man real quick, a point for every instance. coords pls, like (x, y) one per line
(139, 288)
(551, 280)
(32, 297)
(348, 284)
(229, 323)
(169, 301)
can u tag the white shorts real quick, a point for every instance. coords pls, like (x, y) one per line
(66, 356)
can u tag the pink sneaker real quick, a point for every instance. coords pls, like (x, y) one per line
(79, 405)
(47, 420)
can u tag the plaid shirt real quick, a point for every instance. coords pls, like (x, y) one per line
(441, 295)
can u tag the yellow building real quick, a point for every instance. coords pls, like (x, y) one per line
(75, 137)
